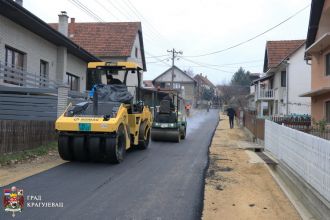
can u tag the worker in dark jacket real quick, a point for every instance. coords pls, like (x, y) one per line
(231, 114)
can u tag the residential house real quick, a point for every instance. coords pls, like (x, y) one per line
(111, 42)
(182, 82)
(251, 102)
(32, 54)
(286, 76)
(203, 84)
(318, 53)
(148, 84)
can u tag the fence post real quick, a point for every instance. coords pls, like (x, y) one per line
(62, 98)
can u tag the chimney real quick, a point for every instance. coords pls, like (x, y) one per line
(72, 28)
(20, 2)
(63, 23)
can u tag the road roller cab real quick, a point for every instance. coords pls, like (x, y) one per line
(169, 124)
(109, 122)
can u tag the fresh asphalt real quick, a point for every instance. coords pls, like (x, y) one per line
(166, 181)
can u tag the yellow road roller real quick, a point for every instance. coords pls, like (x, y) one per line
(112, 120)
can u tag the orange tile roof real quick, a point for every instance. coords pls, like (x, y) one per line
(277, 51)
(104, 39)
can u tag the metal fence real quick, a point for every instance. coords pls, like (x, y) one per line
(16, 77)
(305, 154)
(322, 133)
(302, 123)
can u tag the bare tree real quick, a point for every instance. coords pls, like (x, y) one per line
(233, 95)
(190, 72)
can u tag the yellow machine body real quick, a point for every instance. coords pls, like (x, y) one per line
(136, 124)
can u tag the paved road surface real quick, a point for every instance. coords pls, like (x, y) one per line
(163, 182)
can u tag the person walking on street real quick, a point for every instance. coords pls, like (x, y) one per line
(187, 108)
(231, 114)
(208, 106)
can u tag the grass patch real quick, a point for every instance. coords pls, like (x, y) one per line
(19, 156)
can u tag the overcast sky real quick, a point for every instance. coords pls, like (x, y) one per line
(195, 27)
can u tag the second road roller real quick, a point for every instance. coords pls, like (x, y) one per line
(169, 123)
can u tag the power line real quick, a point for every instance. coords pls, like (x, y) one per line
(140, 15)
(154, 35)
(208, 67)
(165, 55)
(228, 64)
(82, 7)
(158, 61)
(119, 10)
(246, 41)
(106, 9)
(149, 54)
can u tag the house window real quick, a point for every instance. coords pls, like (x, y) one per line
(15, 61)
(136, 52)
(176, 85)
(73, 81)
(44, 76)
(327, 111)
(327, 64)
(283, 78)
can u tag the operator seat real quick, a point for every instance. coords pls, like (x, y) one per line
(165, 114)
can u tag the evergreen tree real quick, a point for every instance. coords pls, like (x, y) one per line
(241, 78)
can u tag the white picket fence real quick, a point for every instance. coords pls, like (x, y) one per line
(307, 155)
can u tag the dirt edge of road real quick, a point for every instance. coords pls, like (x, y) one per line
(237, 184)
(21, 169)
(202, 193)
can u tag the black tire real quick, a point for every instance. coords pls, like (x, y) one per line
(183, 134)
(79, 149)
(115, 148)
(94, 148)
(144, 136)
(64, 148)
(178, 139)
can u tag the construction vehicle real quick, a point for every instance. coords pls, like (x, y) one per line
(169, 123)
(104, 127)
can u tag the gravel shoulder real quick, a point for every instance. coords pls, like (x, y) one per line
(237, 188)
(23, 169)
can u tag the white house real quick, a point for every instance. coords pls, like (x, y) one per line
(286, 76)
(32, 54)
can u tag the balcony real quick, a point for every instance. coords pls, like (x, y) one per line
(11, 77)
(266, 94)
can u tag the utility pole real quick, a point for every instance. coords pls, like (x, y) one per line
(174, 55)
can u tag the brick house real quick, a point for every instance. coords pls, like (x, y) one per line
(318, 53)
(203, 83)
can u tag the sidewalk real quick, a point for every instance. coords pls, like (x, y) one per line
(238, 183)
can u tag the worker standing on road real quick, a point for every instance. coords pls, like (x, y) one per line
(208, 106)
(187, 107)
(231, 114)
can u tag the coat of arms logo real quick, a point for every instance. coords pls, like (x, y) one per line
(13, 200)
